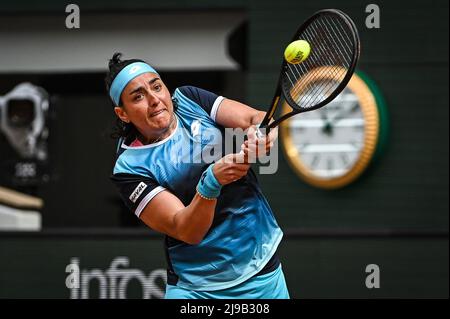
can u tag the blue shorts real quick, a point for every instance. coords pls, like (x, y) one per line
(267, 286)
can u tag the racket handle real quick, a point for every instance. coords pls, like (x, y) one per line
(265, 124)
(265, 121)
(259, 133)
(263, 127)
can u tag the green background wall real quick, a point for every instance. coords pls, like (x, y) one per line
(332, 267)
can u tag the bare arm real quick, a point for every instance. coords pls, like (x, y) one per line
(234, 114)
(166, 214)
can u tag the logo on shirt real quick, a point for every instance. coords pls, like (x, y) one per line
(137, 192)
(195, 128)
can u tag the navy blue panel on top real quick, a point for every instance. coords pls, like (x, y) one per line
(202, 97)
(134, 189)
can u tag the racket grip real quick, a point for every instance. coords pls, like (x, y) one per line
(265, 121)
(262, 130)
(259, 133)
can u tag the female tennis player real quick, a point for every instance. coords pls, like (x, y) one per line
(221, 235)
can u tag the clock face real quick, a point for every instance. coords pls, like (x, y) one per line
(331, 146)
(329, 140)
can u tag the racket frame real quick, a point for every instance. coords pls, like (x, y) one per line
(280, 93)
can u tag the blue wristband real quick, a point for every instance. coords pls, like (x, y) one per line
(208, 186)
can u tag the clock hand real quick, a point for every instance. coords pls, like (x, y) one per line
(327, 128)
(343, 113)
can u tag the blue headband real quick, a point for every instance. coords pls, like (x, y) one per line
(127, 74)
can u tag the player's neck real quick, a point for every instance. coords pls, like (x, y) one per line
(163, 135)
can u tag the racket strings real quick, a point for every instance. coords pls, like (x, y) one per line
(320, 92)
(302, 69)
(307, 80)
(332, 53)
(333, 36)
(308, 86)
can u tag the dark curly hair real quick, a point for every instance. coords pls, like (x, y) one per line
(115, 65)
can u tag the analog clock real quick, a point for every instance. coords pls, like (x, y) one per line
(330, 147)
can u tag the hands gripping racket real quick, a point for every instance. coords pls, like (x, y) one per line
(316, 81)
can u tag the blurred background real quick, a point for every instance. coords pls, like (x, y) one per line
(60, 215)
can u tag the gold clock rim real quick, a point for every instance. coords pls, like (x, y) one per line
(371, 132)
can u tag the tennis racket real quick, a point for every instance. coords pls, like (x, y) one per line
(315, 82)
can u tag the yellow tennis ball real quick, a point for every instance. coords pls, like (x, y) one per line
(297, 51)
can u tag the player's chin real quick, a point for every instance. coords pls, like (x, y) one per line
(161, 121)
